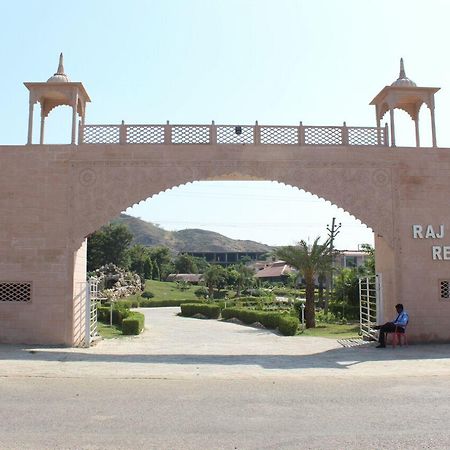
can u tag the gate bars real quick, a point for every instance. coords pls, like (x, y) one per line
(370, 305)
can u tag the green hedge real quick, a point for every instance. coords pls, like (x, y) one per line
(249, 316)
(288, 325)
(133, 324)
(252, 299)
(268, 319)
(128, 303)
(224, 303)
(191, 309)
(103, 314)
(150, 303)
(119, 312)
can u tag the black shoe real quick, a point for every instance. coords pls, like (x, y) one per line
(380, 346)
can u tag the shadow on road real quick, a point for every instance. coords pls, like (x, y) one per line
(340, 358)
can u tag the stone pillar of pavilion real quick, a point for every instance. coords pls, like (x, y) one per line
(57, 91)
(404, 94)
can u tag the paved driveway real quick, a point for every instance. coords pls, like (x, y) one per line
(176, 347)
(190, 384)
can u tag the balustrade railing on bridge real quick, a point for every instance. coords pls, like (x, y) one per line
(233, 134)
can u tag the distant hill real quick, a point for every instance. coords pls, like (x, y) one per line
(191, 240)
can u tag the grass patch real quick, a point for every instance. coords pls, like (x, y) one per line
(108, 332)
(333, 331)
(166, 291)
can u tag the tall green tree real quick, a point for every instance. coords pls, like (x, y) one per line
(162, 260)
(346, 280)
(346, 286)
(148, 269)
(240, 277)
(309, 261)
(140, 261)
(202, 264)
(369, 262)
(185, 264)
(214, 277)
(109, 244)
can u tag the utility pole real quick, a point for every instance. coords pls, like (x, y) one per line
(333, 231)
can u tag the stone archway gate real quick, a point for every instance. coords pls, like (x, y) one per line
(54, 196)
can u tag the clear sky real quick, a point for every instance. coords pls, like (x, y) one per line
(232, 61)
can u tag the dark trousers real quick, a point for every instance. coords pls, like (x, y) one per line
(388, 327)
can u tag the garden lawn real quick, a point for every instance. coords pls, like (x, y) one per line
(333, 331)
(107, 331)
(167, 290)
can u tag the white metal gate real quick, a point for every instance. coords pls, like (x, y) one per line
(88, 312)
(370, 304)
(91, 308)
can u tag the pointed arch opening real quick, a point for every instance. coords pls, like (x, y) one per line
(265, 211)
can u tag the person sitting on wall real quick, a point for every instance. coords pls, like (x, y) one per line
(398, 325)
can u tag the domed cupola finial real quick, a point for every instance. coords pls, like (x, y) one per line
(59, 76)
(402, 79)
(61, 65)
(402, 68)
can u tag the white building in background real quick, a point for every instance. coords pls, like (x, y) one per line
(350, 258)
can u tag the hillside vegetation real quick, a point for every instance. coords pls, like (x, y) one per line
(191, 240)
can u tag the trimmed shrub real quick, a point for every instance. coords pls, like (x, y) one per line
(224, 304)
(248, 299)
(133, 324)
(249, 316)
(128, 303)
(298, 307)
(219, 295)
(201, 292)
(150, 303)
(254, 302)
(270, 319)
(229, 313)
(147, 294)
(208, 310)
(130, 326)
(288, 325)
(139, 316)
(103, 314)
(255, 292)
(120, 311)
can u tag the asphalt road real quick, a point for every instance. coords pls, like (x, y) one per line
(317, 413)
(191, 384)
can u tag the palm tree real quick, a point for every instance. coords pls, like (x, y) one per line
(309, 261)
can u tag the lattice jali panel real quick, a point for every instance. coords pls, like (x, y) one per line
(12, 291)
(145, 134)
(101, 134)
(228, 134)
(323, 135)
(190, 134)
(279, 135)
(365, 136)
(445, 290)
